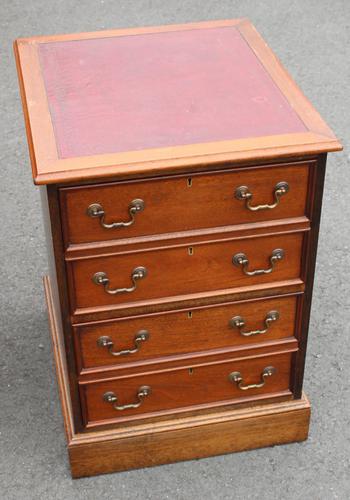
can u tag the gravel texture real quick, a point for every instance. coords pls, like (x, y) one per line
(312, 40)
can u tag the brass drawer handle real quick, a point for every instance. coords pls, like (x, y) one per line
(140, 337)
(238, 322)
(237, 378)
(101, 278)
(243, 193)
(143, 391)
(96, 210)
(241, 260)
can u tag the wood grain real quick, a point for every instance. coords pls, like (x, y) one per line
(188, 331)
(180, 388)
(188, 238)
(59, 355)
(56, 290)
(183, 203)
(195, 437)
(189, 301)
(190, 360)
(316, 185)
(204, 433)
(175, 272)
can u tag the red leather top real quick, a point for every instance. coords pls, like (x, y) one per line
(127, 93)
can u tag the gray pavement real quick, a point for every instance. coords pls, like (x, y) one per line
(312, 38)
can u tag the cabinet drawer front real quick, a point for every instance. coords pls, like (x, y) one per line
(179, 271)
(181, 203)
(182, 332)
(209, 385)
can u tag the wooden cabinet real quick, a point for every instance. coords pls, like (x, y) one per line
(181, 172)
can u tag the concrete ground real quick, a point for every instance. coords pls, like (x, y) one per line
(312, 38)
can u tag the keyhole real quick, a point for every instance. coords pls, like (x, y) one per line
(190, 250)
(189, 314)
(190, 371)
(189, 182)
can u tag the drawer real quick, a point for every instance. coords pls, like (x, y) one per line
(179, 271)
(185, 388)
(137, 339)
(181, 203)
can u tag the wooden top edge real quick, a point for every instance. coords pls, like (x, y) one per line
(137, 30)
(47, 168)
(176, 165)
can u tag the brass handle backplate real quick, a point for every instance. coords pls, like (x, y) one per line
(241, 260)
(143, 391)
(238, 322)
(243, 193)
(96, 210)
(140, 337)
(101, 278)
(236, 378)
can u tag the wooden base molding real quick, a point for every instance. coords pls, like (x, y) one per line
(195, 436)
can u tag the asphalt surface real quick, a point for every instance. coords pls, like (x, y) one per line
(312, 38)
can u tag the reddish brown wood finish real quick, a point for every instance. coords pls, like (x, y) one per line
(187, 331)
(57, 294)
(174, 271)
(198, 436)
(183, 203)
(166, 304)
(48, 168)
(186, 237)
(316, 184)
(198, 358)
(181, 238)
(181, 388)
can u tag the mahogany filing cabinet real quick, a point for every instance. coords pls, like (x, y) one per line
(181, 172)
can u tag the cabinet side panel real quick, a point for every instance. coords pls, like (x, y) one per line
(314, 205)
(57, 272)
